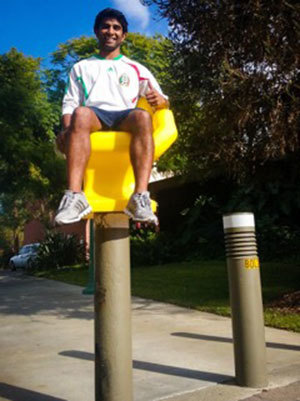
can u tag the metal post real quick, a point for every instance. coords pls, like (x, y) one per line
(90, 288)
(246, 300)
(113, 355)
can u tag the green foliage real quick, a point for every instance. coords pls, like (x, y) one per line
(152, 52)
(273, 196)
(278, 242)
(31, 173)
(13, 212)
(235, 92)
(74, 50)
(5, 255)
(27, 122)
(275, 204)
(24, 109)
(198, 235)
(13, 215)
(6, 250)
(58, 250)
(150, 248)
(237, 62)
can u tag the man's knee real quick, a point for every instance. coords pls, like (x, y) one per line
(82, 116)
(142, 119)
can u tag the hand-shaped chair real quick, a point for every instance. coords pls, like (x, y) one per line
(109, 178)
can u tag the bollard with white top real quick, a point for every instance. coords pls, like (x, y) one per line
(245, 299)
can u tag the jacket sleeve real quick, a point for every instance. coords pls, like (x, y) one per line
(145, 78)
(74, 94)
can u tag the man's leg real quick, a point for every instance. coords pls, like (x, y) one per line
(84, 122)
(139, 124)
(74, 204)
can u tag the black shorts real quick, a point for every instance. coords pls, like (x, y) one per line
(110, 119)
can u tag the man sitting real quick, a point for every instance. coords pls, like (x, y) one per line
(102, 94)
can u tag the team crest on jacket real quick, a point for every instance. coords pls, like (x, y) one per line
(124, 80)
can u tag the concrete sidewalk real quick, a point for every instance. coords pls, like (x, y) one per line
(46, 340)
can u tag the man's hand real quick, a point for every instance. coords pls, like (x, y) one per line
(155, 99)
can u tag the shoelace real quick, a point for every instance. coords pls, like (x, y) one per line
(143, 200)
(69, 200)
(66, 200)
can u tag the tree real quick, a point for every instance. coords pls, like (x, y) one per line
(30, 170)
(236, 73)
(27, 122)
(13, 216)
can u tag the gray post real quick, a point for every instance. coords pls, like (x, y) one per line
(246, 300)
(113, 355)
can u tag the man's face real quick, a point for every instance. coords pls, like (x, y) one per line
(110, 34)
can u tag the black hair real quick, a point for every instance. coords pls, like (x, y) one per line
(111, 13)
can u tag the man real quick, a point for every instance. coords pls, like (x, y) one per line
(102, 93)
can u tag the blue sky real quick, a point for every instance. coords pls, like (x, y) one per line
(36, 27)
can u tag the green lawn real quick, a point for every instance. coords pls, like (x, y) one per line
(203, 285)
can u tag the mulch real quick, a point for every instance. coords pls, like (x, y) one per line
(289, 303)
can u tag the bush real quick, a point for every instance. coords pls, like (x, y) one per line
(150, 248)
(7, 253)
(58, 250)
(198, 235)
(278, 242)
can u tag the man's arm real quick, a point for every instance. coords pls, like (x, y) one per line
(66, 121)
(72, 99)
(61, 138)
(155, 99)
(151, 90)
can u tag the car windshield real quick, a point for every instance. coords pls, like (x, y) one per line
(25, 249)
(29, 248)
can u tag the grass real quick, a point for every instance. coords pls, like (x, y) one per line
(202, 285)
(77, 275)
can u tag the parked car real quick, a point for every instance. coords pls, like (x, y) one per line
(25, 257)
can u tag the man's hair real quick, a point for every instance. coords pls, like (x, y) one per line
(111, 13)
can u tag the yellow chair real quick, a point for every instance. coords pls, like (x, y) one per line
(109, 179)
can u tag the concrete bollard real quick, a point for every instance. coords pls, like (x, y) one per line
(113, 355)
(89, 289)
(245, 300)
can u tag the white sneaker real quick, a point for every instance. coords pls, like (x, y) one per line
(139, 208)
(72, 208)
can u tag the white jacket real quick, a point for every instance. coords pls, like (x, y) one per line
(113, 84)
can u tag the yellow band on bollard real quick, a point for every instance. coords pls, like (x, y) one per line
(252, 263)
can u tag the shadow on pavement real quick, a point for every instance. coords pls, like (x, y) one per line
(158, 368)
(26, 295)
(290, 347)
(14, 393)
